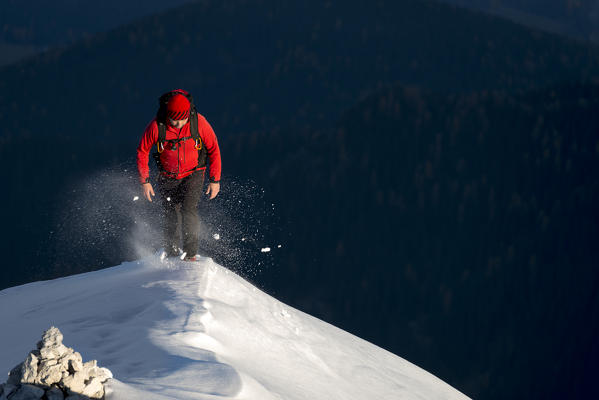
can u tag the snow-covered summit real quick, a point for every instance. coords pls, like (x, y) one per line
(180, 330)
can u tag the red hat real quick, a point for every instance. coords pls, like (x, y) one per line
(178, 107)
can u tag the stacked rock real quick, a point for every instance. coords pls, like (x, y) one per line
(55, 372)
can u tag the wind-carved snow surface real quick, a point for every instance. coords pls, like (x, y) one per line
(178, 330)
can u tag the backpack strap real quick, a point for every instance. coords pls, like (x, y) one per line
(193, 126)
(161, 136)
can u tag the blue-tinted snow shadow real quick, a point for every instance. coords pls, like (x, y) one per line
(150, 313)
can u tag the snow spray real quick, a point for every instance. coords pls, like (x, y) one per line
(105, 220)
(238, 224)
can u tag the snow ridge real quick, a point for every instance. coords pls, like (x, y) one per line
(178, 330)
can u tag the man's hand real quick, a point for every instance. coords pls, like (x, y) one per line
(213, 189)
(148, 191)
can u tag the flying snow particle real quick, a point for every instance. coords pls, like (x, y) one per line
(265, 249)
(243, 239)
(216, 236)
(168, 199)
(279, 246)
(136, 198)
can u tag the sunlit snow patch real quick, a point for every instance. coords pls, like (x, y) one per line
(179, 330)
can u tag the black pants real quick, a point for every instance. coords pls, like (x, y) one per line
(180, 200)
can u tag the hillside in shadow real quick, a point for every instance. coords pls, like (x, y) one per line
(456, 230)
(253, 67)
(32, 27)
(257, 65)
(44, 24)
(577, 19)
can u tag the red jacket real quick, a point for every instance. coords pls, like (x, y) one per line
(181, 162)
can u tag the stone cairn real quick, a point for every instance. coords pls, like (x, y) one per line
(55, 372)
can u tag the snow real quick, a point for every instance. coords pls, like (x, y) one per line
(216, 236)
(178, 330)
(265, 249)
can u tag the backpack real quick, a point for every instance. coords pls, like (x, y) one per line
(161, 121)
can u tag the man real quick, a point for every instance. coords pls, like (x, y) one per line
(183, 148)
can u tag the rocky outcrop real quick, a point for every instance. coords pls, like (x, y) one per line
(55, 372)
